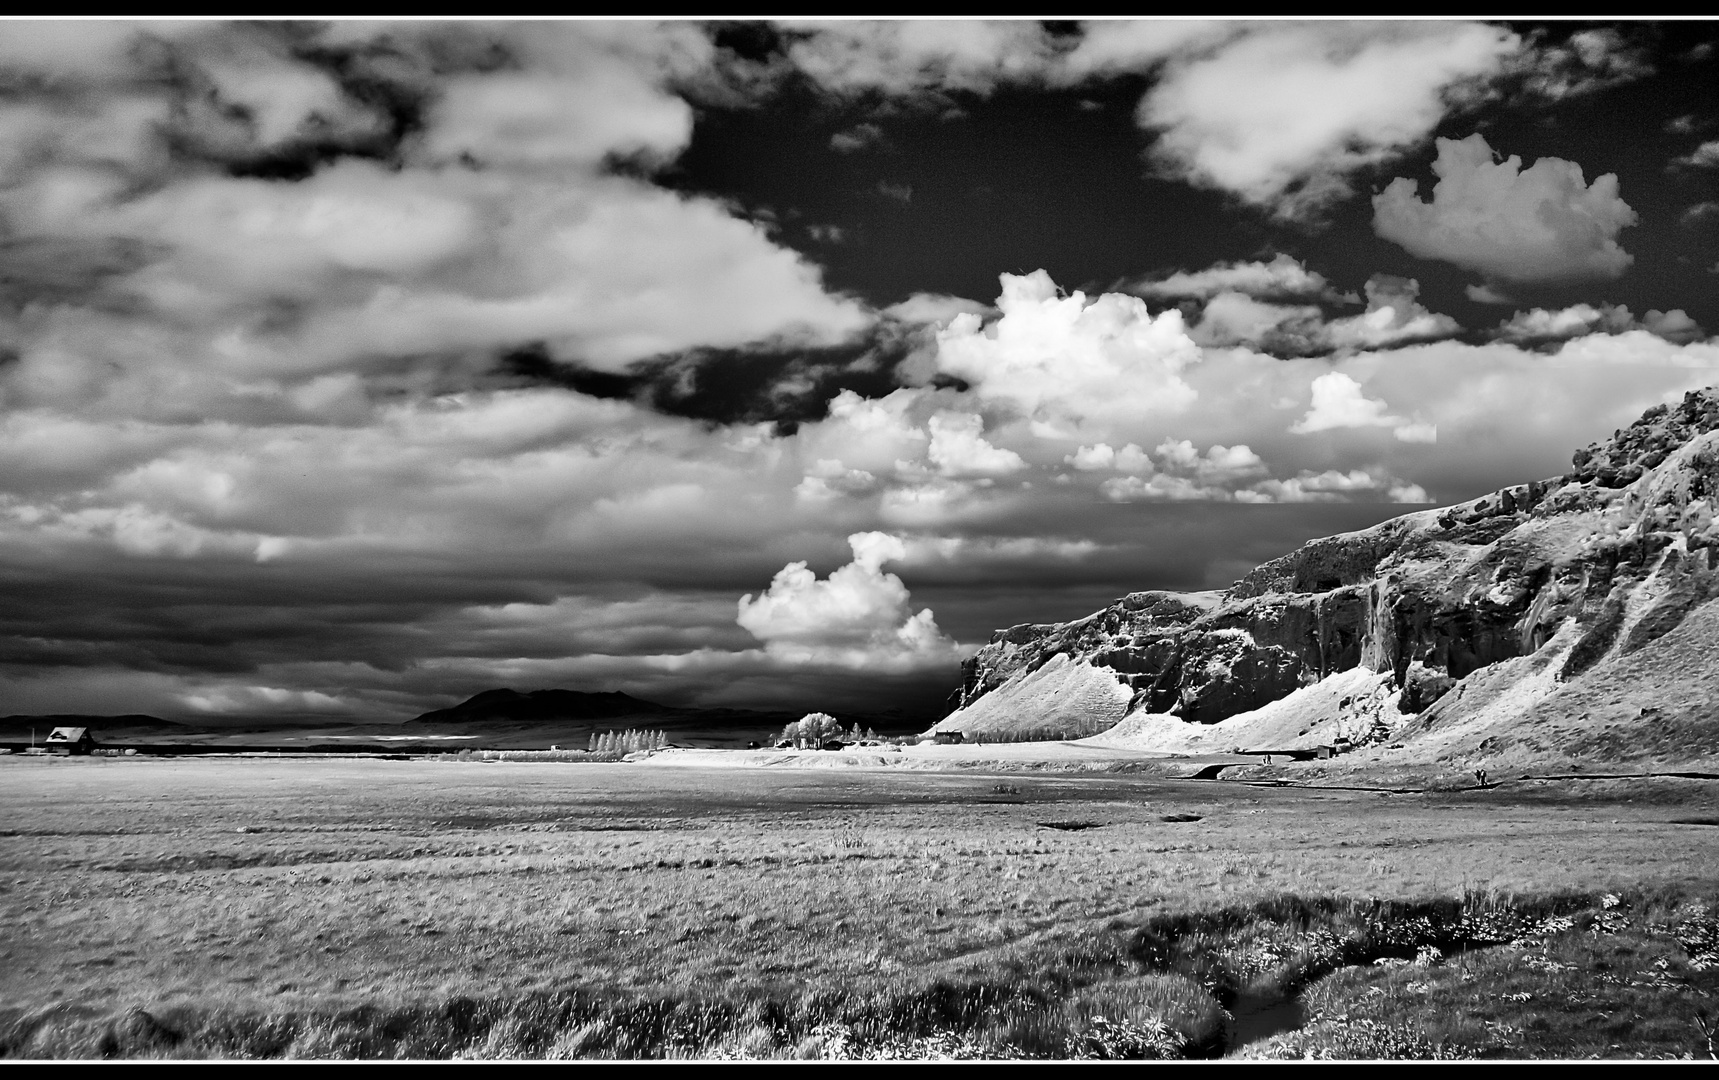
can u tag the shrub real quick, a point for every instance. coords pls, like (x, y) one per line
(1119, 1040)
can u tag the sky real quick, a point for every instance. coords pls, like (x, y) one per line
(348, 369)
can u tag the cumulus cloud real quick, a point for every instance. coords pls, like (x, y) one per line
(1129, 459)
(1283, 276)
(1334, 486)
(1135, 46)
(1339, 402)
(1541, 326)
(1705, 156)
(495, 225)
(1329, 486)
(857, 138)
(1587, 62)
(959, 449)
(1064, 361)
(904, 59)
(1513, 225)
(1394, 317)
(1179, 473)
(1281, 115)
(857, 617)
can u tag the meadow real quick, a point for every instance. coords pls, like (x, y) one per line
(326, 908)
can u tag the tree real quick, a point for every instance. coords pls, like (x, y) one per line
(815, 728)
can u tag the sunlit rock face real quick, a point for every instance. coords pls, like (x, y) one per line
(1593, 565)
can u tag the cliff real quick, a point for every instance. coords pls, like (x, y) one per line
(1559, 576)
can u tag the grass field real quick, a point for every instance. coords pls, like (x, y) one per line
(367, 908)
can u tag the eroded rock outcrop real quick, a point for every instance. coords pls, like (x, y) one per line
(1593, 564)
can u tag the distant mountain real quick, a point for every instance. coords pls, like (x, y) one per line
(94, 723)
(511, 706)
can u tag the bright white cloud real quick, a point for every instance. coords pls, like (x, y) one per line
(1129, 459)
(1132, 46)
(858, 616)
(958, 448)
(1540, 325)
(1339, 402)
(1065, 361)
(498, 229)
(1335, 486)
(1282, 115)
(916, 56)
(1282, 276)
(1543, 223)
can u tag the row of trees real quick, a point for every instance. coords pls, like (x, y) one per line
(628, 741)
(818, 728)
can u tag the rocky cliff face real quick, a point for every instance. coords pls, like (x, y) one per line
(1593, 564)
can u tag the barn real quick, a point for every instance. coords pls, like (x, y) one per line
(69, 740)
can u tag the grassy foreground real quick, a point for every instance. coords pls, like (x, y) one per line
(319, 909)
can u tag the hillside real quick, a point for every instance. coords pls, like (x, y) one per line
(494, 706)
(1563, 617)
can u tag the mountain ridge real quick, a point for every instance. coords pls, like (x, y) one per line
(1555, 577)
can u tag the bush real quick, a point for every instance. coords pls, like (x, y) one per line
(1124, 1040)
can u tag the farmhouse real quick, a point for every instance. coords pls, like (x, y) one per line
(70, 740)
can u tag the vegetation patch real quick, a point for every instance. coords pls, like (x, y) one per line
(1484, 976)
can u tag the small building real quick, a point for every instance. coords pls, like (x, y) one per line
(70, 740)
(948, 738)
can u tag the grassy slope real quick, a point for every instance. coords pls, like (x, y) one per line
(1062, 699)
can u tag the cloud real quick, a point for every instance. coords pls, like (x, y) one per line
(857, 138)
(916, 57)
(1394, 317)
(1181, 474)
(1510, 224)
(1587, 62)
(1107, 48)
(1338, 402)
(1705, 156)
(939, 309)
(1699, 213)
(958, 449)
(1065, 361)
(1129, 459)
(1283, 276)
(495, 225)
(1541, 326)
(1281, 115)
(901, 193)
(857, 617)
(1330, 486)
(1334, 486)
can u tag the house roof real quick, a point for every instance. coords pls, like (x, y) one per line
(68, 734)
